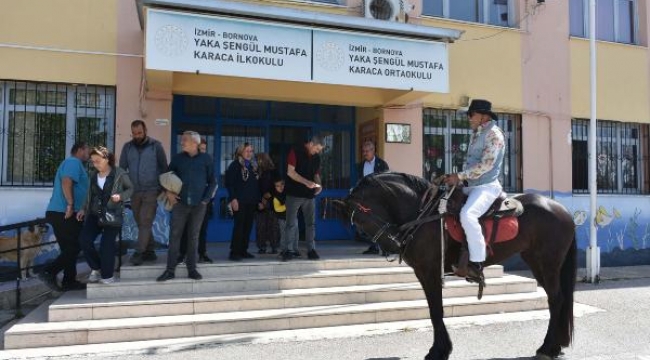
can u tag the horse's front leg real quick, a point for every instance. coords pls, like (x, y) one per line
(432, 286)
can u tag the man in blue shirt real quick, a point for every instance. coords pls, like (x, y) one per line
(68, 196)
(196, 171)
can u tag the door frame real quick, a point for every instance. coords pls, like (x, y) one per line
(219, 229)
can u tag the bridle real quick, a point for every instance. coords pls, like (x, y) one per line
(376, 220)
(432, 208)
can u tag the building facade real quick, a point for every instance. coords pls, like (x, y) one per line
(273, 72)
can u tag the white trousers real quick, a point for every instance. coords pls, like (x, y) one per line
(479, 201)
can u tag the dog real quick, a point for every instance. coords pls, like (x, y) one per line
(32, 236)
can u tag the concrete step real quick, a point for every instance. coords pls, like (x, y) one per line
(35, 331)
(269, 265)
(272, 282)
(74, 306)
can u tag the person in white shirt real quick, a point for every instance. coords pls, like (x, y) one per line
(371, 164)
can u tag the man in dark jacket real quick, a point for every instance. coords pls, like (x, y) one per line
(371, 164)
(303, 183)
(196, 171)
(144, 159)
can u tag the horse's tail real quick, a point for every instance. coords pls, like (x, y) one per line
(568, 275)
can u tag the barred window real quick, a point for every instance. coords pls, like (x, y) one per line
(446, 139)
(622, 150)
(39, 123)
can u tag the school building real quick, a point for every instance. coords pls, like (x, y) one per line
(273, 72)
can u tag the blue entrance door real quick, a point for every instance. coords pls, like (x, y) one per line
(273, 127)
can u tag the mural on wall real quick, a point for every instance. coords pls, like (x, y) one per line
(41, 255)
(160, 227)
(623, 227)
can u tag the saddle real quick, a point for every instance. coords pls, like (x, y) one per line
(501, 216)
(499, 224)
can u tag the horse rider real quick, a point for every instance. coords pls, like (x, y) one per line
(482, 170)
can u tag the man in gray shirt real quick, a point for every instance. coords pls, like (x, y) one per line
(144, 158)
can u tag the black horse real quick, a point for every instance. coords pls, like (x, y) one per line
(381, 204)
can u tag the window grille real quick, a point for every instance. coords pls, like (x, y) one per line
(621, 152)
(446, 138)
(39, 123)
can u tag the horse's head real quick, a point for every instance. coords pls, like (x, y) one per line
(381, 202)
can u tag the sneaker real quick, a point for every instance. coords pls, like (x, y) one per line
(234, 257)
(94, 276)
(149, 256)
(180, 260)
(248, 255)
(110, 280)
(136, 259)
(49, 280)
(274, 251)
(312, 255)
(75, 285)
(287, 255)
(296, 253)
(204, 259)
(167, 275)
(195, 275)
(371, 251)
(261, 251)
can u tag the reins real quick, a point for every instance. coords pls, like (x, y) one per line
(430, 210)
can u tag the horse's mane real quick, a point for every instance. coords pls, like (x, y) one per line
(394, 183)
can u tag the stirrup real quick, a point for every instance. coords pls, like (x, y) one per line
(476, 276)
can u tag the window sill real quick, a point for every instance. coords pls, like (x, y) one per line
(639, 194)
(470, 23)
(36, 188)
(578, 38)
(307, 2)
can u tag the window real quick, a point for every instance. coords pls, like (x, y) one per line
(615, 20)
(619, 159)
(446, 138)
(39, 123)
(493, 12)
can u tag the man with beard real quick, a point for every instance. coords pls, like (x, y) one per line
(144, 159)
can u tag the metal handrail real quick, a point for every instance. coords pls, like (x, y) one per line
(19, 248)
(18, 227)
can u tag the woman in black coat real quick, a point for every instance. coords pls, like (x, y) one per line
(266, 224)
(244, 198)
(109, 188)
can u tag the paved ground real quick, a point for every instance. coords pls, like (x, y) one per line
(621, 331)
(613, 323)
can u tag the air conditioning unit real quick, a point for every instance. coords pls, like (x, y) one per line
(388, 10)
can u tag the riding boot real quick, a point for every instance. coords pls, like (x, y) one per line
(475, 272)
(461, 268)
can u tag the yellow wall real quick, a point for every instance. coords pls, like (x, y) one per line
(63, 24)
(489, 68)
(622, 81)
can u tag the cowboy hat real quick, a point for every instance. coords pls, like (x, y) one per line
(482, 107)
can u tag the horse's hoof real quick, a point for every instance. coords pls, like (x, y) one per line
(540, 356)
(431, 357)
